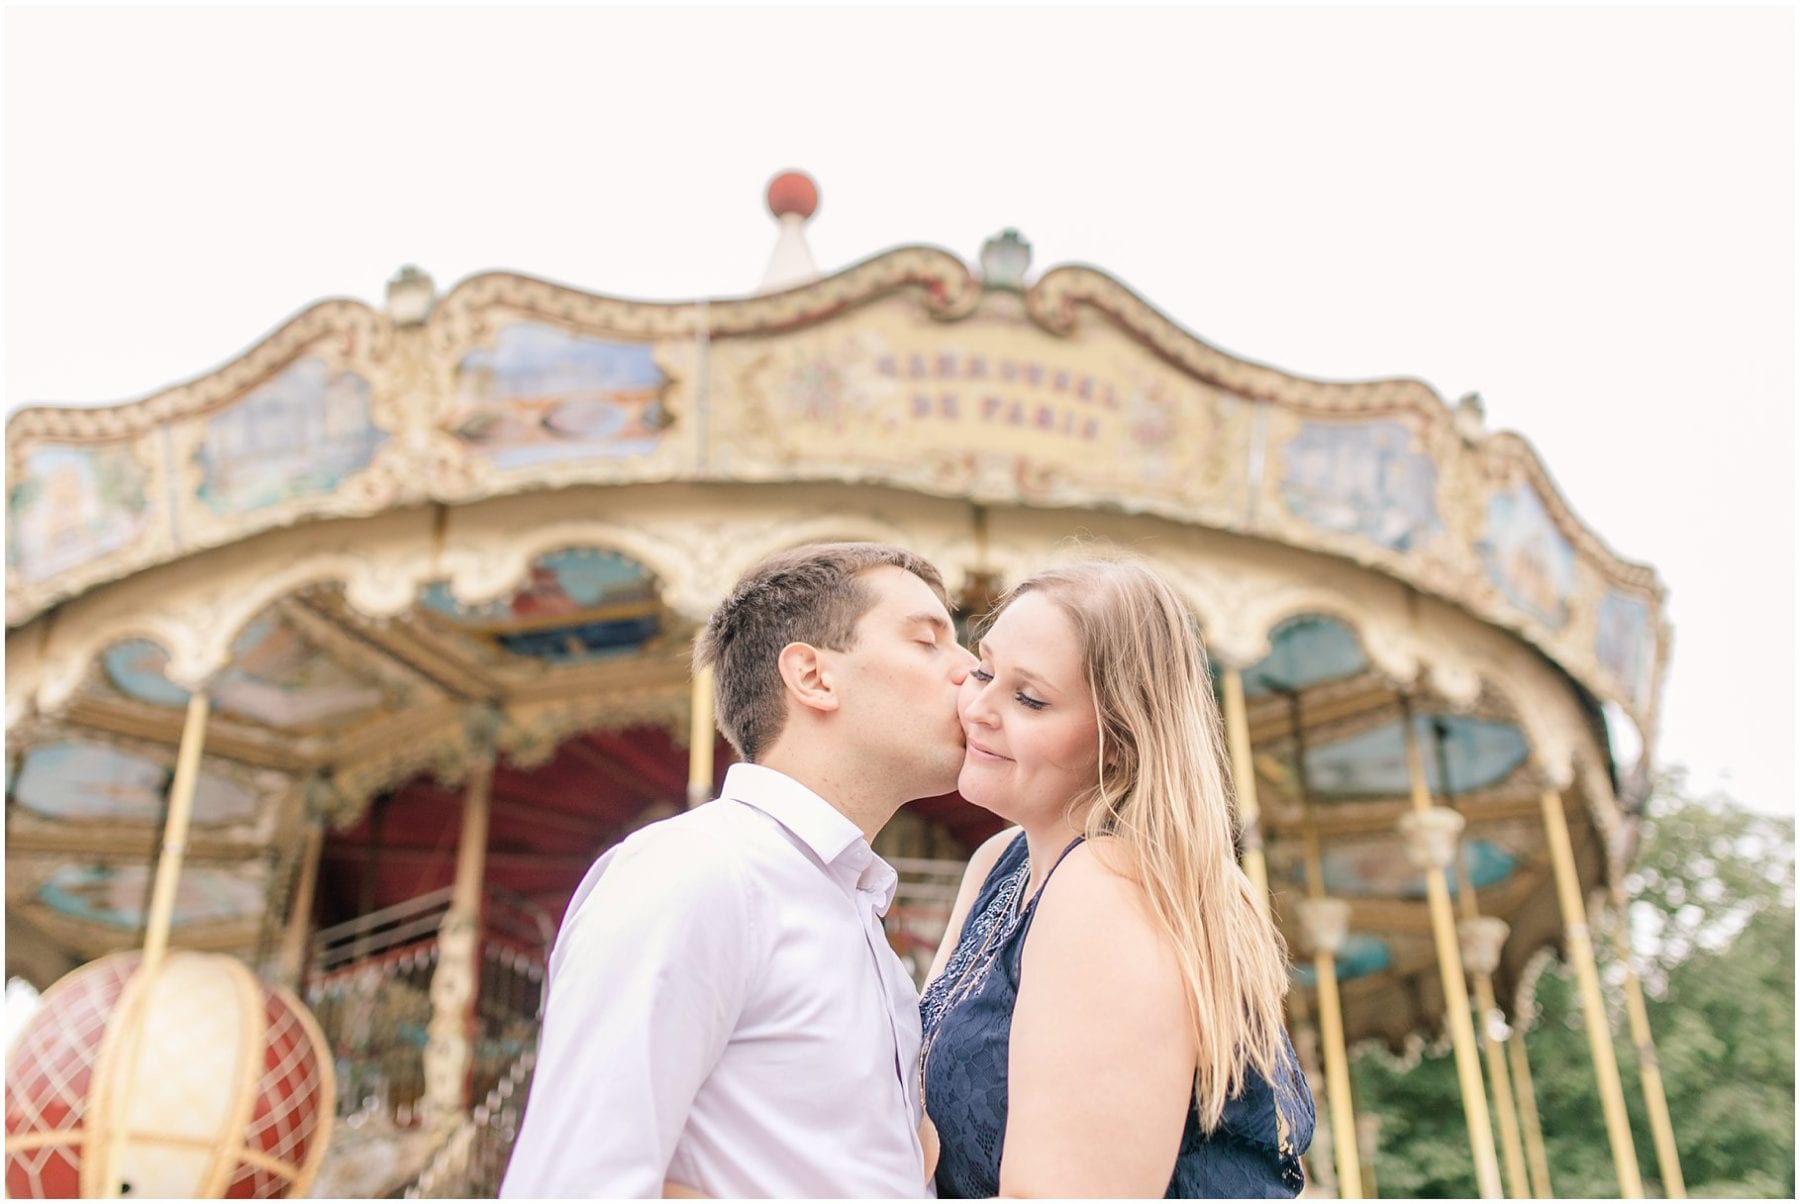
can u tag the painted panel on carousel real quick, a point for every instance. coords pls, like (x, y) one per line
(1360, 956)
(1372, 764)
(987, 406)
(1374, 867)
(1051, 411)
(1526, 556)
(115, 895)
(275, 677)
(71, 505)
(579, 604)
(1363, 478)
(1305, 651)
(81, 780)
(302, 433)
(137, 668)
(1622, 641)
(541, 395)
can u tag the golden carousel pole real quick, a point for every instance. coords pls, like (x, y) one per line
(1482, 939)
(1305, 1033)
(1535, 1158)
(1430, 834)
(1243, 774)
(1581, 954)
(700, 739)
(292, 962)
(160, 916)
(1243, 777)
(1325, 923)
(1368, 1141)
(456, 981)
(1656, 1103)
(174, 849)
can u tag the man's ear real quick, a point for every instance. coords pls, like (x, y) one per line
(807, 673)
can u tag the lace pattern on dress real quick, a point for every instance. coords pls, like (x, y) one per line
(983, 934)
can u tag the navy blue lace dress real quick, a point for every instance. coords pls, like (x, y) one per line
(967, 1021)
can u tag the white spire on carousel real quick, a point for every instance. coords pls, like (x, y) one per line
(793, 199)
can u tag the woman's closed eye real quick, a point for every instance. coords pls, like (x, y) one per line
(982, 675)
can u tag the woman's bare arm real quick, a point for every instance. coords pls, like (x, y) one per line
(928, 1141)
(1101, 1059)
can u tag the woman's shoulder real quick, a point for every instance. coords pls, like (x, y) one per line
(1095, 886)
(1095, 942)
(1100, 870)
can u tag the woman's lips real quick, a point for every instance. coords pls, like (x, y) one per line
(979, 753)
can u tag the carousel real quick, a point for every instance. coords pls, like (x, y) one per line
(329, 672)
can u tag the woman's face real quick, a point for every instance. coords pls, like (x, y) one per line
(1028, 715)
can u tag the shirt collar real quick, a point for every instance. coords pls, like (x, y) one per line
(821, 827)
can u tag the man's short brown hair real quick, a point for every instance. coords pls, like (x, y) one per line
(810, 595)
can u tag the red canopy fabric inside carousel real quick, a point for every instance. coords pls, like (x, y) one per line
(547, 824)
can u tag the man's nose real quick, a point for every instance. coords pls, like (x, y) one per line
(959, 672)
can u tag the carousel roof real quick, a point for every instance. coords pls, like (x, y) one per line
(908, 369)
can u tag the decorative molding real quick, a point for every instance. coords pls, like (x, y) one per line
(1430, 837)
(1239, 590)
(1324, 925)
(345, 324)
(1480, 938)
(411, 370)
(941, 282)
(533, 733)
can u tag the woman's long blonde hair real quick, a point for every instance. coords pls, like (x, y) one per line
(1164, 798)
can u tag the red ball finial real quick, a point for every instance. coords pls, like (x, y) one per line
(793, 192)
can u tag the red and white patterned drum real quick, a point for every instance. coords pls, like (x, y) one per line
(197, 1081)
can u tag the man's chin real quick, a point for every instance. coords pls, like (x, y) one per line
(945, 781)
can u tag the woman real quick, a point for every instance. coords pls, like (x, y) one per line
(1104, 1017)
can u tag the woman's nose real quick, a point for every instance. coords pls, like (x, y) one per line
(973, 704)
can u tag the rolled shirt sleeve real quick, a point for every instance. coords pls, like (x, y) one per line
(647, 983)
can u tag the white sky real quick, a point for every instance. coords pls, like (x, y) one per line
(1585, 214)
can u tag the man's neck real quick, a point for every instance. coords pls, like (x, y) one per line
(851, 797)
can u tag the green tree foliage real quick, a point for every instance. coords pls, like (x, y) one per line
(1712, 927)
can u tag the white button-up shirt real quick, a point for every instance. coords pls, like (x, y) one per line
(725, 1011)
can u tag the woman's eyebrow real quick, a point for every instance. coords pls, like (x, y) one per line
(1036, 679)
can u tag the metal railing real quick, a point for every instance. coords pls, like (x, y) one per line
(371, 935)
(370, 989)
(472, 1160)
(922, 902)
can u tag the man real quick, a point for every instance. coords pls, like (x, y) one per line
(724, 1011)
